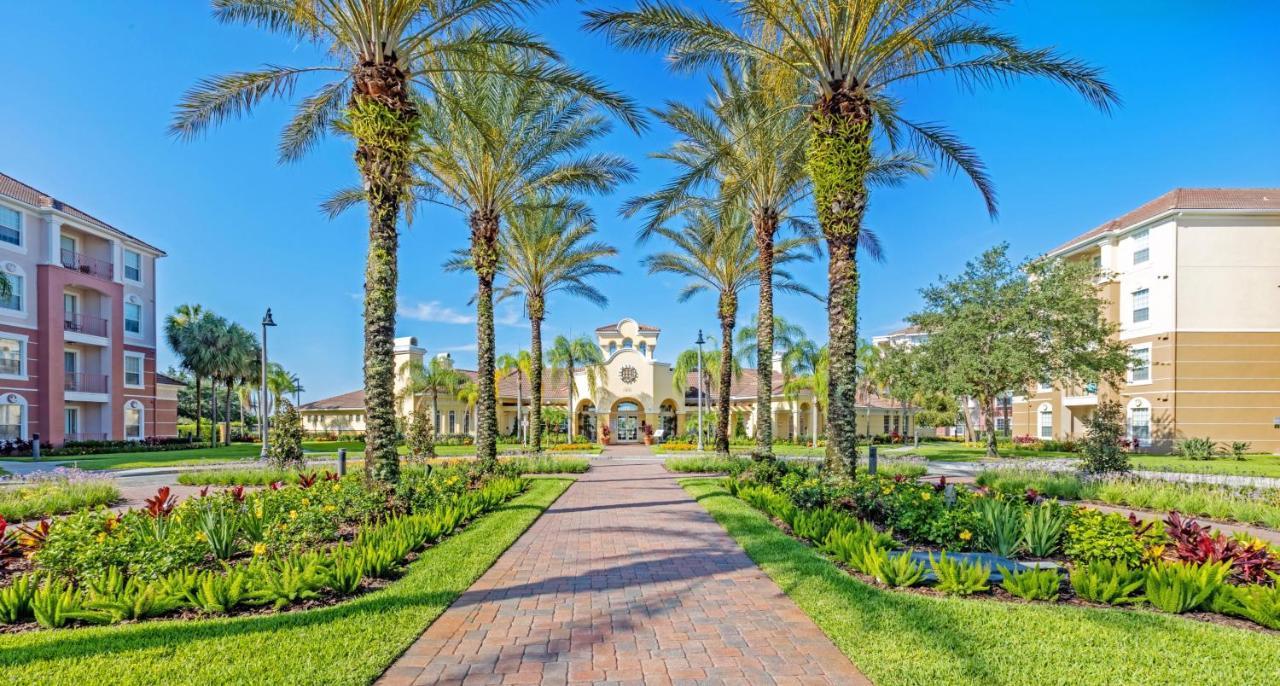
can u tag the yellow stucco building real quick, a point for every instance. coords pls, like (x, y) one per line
(634, 391)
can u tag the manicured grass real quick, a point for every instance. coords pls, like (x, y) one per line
(1251, 465)
(54, 497)
(349, 643)
(706, 464)
(904, 638)
(255, 476)
(948, 451)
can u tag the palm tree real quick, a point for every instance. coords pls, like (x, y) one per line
(546, 250)
(870, 368)
(565, 356)
(491, 146)
(809, 367)
(756, 156)
(383, 54)
(239, 362)
(717, 253)
(179, 333)
(519, 363)
(434, 378)
(210, 357)
(280, 383)
(469, 394)
(849, 56)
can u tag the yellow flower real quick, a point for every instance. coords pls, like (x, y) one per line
(306, 502)
(201, 537)
(965, 535)
(336, 488)
(329, 508)
(257, 509)
(102, 537)
(293, 514)
(925, 495)
(260, 549)
(886, 490)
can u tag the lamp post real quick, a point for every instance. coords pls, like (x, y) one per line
(700, 341)
(262, 397)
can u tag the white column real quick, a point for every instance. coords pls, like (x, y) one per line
(117, 261)
(52, 242)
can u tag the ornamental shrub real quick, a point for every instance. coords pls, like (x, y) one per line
(417, 436)
(286, 437)
(1092, 535)
(1102, 447)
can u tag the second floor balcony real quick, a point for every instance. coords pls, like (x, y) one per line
(84, 264)
(85, 324)
(81, 382)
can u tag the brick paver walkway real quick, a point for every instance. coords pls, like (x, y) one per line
(624, 580)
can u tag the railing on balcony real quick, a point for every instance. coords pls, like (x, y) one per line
(85, 383)
(84, 323)
(10, 363)
(87, 265)
(83, 436)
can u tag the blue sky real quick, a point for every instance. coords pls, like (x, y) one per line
(92, 89)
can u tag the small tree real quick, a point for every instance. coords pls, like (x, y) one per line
(1104, 439)
(285, 449)
(417, 435)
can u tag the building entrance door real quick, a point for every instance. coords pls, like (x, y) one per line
(628, 428)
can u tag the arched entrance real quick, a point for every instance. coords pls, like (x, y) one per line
(586, 420)
(667, 419)
(626, 421)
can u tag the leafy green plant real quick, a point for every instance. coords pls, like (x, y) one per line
(346, 570)
(850, 541)
(15, 599)
(1109, 582)
(1239, 449)
(897, 570)
(54, 496)
(1032, 584)
(1042, 528)
(217, 592)
(1104, 436)
(1179, 587)
(1001, 525)
(119, 598)
(960, 577)
(1094, 535)
(1198, 448)
(57, 603)
(219, 528)
(287, 580)
(814, 525)
(1257, 603)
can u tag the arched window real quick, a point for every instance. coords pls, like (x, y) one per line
(613, 347)
(13, 417)
(627, 406)
(1044, 421)
(134, 421)
(1139, 421)
(453, 421)
(626, 344)
(644, 348)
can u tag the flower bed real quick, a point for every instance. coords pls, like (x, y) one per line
(865, 523)
(234, 551)
(44, 494)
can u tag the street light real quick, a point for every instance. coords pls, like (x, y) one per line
(699, 342)
(262, 398)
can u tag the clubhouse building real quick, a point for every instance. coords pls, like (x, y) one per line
(634, 393)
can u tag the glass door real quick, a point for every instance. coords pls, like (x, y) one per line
(71, 422)
(627, 428)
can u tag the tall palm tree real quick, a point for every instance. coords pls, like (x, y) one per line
(239, 361)
(211, 355)
(432, 378)
(382, 54)
(565, 356)
(546, 250)
(491, 146)
(280, 383)
(810, 365)
(849, 58)
(718, 253)
(870, 366)
(519, 363)
(469, 394)
(755, 154)
(179, 333)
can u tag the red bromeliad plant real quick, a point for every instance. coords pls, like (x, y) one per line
(1251, 563)
(331, 476)
(204, 491)
(32, 538)
(7, 544)
(162, 503)
(307, 480)
(275, 485)
(237, 493)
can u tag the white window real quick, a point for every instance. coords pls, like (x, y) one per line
(1140, 421)
(133, 318)
(71, 423)
(13, 301)
(133, 366)
(626, 343)
(613, 348)
(1045, 421)
(453, 421)
(644, 348)
(10, 226)
(1140, 364)
(133, 421)
(1141, 249)
(13, 356)
(132, 265)
(1141, 305)
(13, 417)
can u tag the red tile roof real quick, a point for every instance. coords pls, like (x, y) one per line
(23, 193)
(1184, 199)
(166, 380)
(347, 401)
(614, 327)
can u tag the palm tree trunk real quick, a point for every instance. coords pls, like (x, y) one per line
(728, 314)
(382, 119)
(213, 411)
(226, 417)
(199, 401)
(435, 420)
(839, 155)
(535, 374)
(484, 258)
(520, 435)
(568, 428)
(766, 223)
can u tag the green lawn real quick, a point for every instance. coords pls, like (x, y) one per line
(349, 643)
(904, 638)
(947, 451)
(1251, 465)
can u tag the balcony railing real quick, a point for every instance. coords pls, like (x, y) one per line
(87, 265)
(10, 363)
(85, 383)
(84, 323)
(83, 436)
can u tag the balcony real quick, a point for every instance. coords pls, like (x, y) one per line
(80, 382)
(1081, 397)
(87, 265)
(85, 324)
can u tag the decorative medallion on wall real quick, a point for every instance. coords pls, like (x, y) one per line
(628, 374)
(11, 267)
(133, 405)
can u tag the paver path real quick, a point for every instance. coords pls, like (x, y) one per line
(624, 580)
